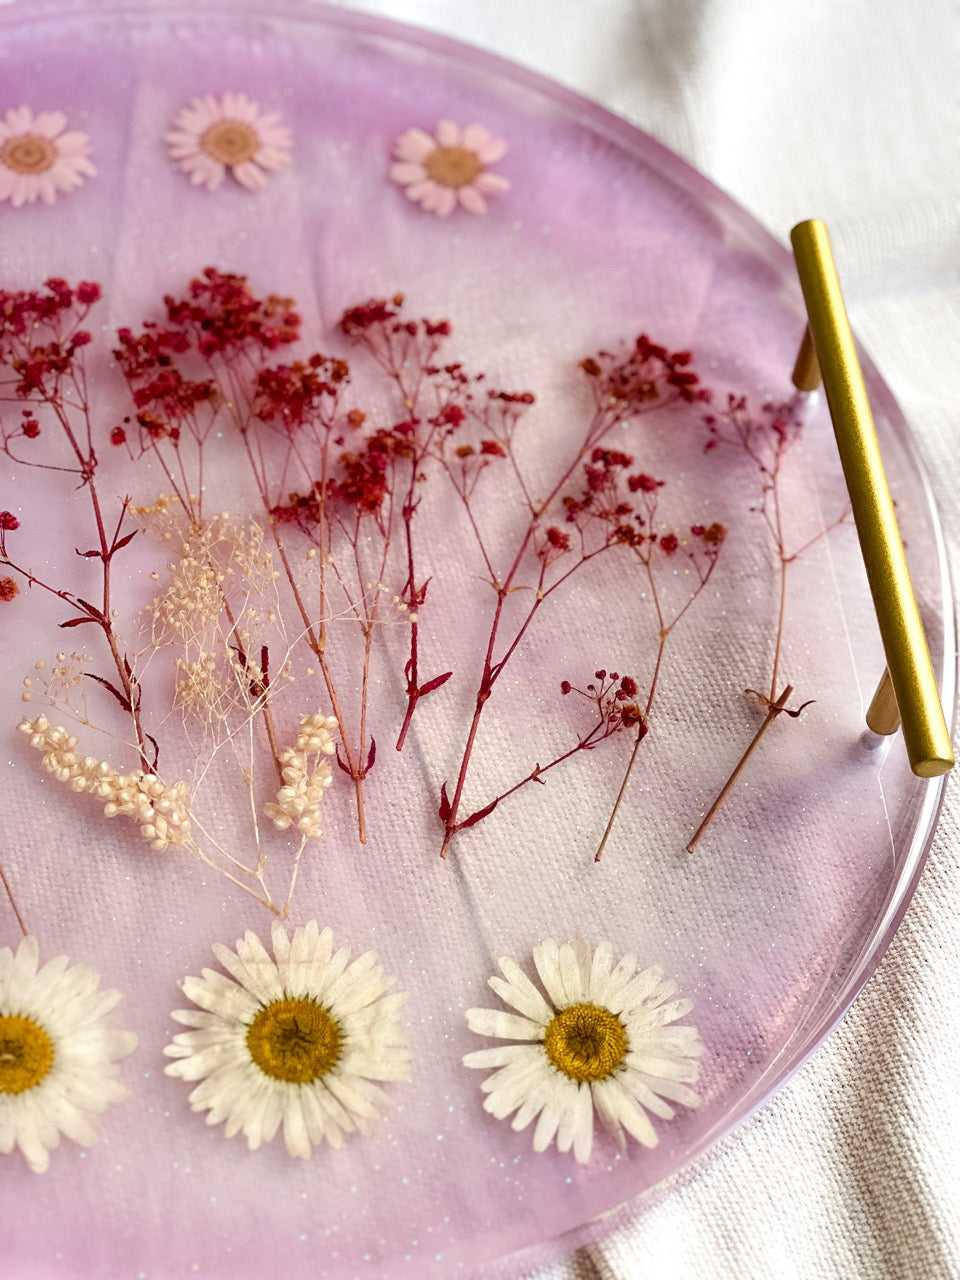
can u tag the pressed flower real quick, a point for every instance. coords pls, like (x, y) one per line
(213, 135)
(57, 1053)
(450, 168)
(603, 1039)
(39, 157)
(297, 1039)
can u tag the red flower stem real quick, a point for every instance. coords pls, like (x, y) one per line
(773, 710)
(600, 424)
(584, 744)
(13, 901)
(87, 465)
(411, 595)
(665, 632)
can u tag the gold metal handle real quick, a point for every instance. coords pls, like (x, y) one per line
(905, 646)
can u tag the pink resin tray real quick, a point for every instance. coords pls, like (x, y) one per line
(776, 921)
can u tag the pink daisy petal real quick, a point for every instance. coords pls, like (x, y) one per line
(47, 187)
(488, 149)
(7, 180)
(182, 149)
(491, 184)
(26, 190)
(212, 106)
(445, 201)
(250, 175)
(448, 134)
(419, 191)
(472, 200)
(73, 143)
(273, 159)
(430, 196)
(405, 171)
(277, 138)
(413, 145)
(195, 118)
(49, 123)
(492, 151)
(236, 107)
(18, 120)
(204, 172)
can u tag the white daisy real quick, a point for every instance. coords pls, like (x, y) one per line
(603, 1041)
(212, 135)
(57, 1055)
(297, 1040)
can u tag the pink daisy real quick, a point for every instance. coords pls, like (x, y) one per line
(449, 168)
(212, 135)
(37, 159)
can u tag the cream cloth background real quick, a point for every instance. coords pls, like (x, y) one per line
(847, 110)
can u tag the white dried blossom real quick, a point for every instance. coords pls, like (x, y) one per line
(306, 773)
(161, 809)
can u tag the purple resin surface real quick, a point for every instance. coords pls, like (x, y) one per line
(771, 927)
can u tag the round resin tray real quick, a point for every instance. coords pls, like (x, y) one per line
(554, 511)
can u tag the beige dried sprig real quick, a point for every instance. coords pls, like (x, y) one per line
(160, 809)
(307, 773)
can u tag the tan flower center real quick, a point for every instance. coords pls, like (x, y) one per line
(29, 153)
(26, 1053)
(230, 142)
(294, 1040)
(452, 166)
(586, 1042)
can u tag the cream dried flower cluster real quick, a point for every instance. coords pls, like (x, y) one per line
(161, 809)
(306, 774)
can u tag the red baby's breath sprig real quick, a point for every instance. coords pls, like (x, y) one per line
(623, 386)
(615, 710)
(625, 505)
(43, 363)
(764, 438)
(436, 398)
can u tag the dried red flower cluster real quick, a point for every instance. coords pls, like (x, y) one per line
(646, 373)
(352, 479)
(40, 334)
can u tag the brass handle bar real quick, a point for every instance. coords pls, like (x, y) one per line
(908, 659)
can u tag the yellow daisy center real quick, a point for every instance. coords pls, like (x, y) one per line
(29, 153)
(26, 1053)
(586, 1042)
(230, 142)
(452, 166)
(294, 1040)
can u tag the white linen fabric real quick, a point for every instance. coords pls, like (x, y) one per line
(849, 112)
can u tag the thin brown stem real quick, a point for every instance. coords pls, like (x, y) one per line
(13, 901)
(641, 734)
(773, 710)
